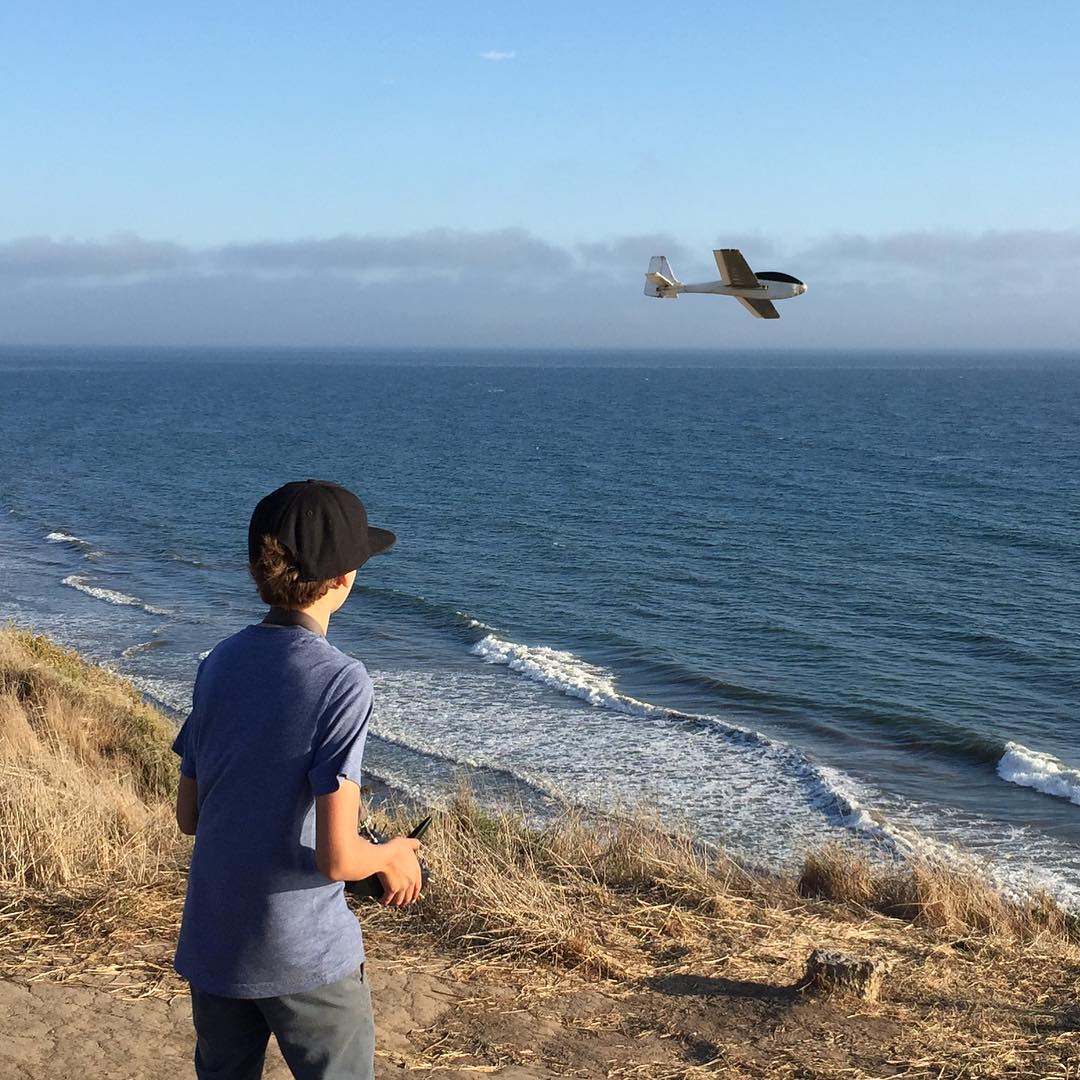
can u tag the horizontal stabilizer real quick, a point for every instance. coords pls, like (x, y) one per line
(658, 285)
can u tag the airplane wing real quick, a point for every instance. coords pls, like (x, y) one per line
(734, 269)
(760, 309)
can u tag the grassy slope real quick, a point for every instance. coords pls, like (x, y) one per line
(626, 950)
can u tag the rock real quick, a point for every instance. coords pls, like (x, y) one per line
(829, 972)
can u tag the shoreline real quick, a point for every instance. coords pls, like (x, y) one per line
(866, 829)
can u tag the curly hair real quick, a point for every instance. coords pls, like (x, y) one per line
(277, 578)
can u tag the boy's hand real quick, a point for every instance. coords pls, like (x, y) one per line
(401, 878)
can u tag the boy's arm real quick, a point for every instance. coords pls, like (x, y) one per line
(342, 855)
(187, 805)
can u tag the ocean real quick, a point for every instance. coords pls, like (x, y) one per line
(783, 599)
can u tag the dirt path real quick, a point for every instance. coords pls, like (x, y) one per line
(56, 1031)
(430, 1023)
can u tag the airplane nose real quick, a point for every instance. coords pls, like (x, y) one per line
(803, 288)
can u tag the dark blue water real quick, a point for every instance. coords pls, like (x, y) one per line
(838, 599)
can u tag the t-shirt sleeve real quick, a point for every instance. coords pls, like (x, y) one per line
(342, 732)
(184, 743)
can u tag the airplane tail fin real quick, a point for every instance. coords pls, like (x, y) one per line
(660, 279)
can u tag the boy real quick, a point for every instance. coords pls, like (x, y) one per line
(269, 787)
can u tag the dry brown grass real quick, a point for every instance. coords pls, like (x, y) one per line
(577, 892)
(95, 715)
(85, 773)
(92, 875)
(932, 894)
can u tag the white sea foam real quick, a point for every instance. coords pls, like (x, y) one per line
(767, 783)
(762, 799)
(64, 538)
(111, 596)
(543, 784)
(561, 671)
(757, 768)
(577, 678)
(1043, 772)
(174, 694)
(141, 647)
(474, 624)
(75, 541)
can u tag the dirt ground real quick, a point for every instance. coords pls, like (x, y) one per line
(441, 1016)
(441, 1019)
(52, 1030)
(90, 1030)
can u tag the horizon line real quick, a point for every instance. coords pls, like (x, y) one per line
(776, 349)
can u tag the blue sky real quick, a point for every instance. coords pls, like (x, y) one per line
(832, 141)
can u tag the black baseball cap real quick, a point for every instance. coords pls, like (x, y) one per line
(322, 525)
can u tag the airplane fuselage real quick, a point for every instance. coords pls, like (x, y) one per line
(773, 290)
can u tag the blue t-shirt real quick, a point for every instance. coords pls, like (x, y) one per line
(278, 715)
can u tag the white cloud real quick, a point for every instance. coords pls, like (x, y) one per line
(1028, 259)
(493, 252)
(945, 250)
(495, 55)
(444, 251)
(503, 287)
(35, 257)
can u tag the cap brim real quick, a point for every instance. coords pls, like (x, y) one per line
(379, 540)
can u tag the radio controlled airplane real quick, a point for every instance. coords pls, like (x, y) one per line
(756, 292)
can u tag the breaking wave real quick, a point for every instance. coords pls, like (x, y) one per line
(88, 549)
(516, 778)
(570, 675)
(111, 596)
(577, 678)
(1043, 772)
(881, 821)
(174, 694)
(141, 647)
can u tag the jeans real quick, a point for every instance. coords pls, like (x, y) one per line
(324, 1034)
